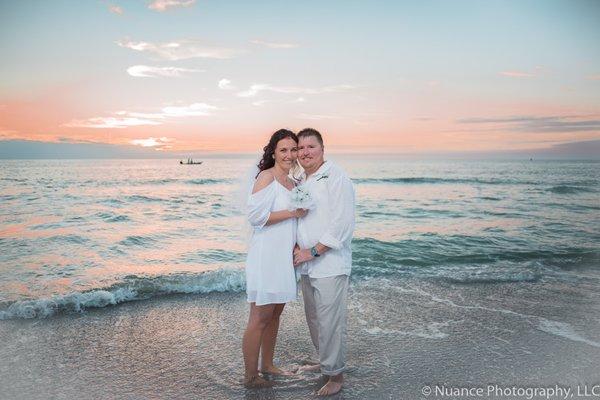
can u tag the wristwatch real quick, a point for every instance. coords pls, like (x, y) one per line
(314, 252)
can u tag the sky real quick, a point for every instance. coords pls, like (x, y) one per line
(176, 76)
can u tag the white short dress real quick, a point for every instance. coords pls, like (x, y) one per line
(270, 275)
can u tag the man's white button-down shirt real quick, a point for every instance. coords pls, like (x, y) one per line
(331, 223)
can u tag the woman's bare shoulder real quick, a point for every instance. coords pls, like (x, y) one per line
(263, 180)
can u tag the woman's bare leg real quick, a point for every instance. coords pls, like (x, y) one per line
(260, 317)
(269, 340)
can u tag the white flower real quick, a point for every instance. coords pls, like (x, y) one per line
(301, 198)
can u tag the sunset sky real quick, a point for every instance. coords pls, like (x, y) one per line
(185, 75)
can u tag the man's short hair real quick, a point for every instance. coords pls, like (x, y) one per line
(306, 132)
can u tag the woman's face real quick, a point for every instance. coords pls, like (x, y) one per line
(286, 153)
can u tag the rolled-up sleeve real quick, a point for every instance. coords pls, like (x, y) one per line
(341, 226)
(260, 205)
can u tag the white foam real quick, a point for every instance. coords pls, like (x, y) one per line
(557, 328)
(431, 331)
(377, 330)
(43, 308)
(564, 330)
(133, 288)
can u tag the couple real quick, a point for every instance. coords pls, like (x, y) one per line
(315, 241)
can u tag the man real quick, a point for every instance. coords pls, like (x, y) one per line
(324, 257)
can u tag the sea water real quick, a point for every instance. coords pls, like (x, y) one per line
(80, 234)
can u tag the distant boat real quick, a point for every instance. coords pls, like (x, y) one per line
(189, 161)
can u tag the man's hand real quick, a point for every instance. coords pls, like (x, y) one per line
(301, 256)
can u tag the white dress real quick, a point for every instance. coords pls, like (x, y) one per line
(270, 275)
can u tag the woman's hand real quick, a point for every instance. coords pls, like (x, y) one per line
(299, 212)
(278, 216)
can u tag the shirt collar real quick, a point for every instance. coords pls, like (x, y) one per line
(320, 172)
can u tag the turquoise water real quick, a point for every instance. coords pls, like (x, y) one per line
(76, 234)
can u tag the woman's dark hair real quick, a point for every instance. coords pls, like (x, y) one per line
(268, 160)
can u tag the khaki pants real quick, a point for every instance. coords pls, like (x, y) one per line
(325, 307)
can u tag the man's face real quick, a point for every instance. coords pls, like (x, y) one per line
(310, 152)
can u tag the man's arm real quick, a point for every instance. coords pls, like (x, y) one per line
(341, 227)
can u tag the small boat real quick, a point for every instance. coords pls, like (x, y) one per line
(189, 161)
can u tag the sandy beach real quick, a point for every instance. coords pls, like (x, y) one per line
(403, 334)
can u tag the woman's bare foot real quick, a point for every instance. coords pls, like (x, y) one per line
(256, 382)
(333, 386)
(273, 370)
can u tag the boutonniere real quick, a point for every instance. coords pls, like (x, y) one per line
(322, 177)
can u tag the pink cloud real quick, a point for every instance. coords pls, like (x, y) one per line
(157, 143)
(259, 87)
(179, 50)
(115, 9)
(164, 5)
(274, 45)
(146, 71)
(125, 119)
(110, 122)
(517, 74)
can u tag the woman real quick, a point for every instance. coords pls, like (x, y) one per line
(270, 276)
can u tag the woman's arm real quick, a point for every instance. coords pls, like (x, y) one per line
(259, 202)
(278, 216)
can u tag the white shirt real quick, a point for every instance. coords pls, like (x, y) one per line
(331, 223)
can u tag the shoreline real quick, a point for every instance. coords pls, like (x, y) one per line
(403, 334)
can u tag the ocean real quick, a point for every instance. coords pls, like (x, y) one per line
(443, 250)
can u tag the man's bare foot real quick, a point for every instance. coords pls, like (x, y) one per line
(333, 386)
(308, 368)
(273, 370)
(256, 382)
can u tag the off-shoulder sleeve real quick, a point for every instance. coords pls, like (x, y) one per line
(260, 205)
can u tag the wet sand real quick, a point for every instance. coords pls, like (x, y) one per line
(403, 334)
